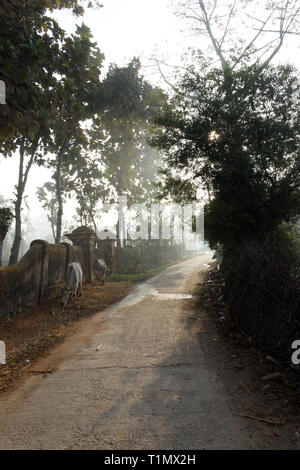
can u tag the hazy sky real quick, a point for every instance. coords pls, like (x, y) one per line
(124, 28)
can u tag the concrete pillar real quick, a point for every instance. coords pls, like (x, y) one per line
(44, 267)
(86, 240)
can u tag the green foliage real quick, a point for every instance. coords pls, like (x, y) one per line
(175, 189)
(29, 57)
(53, 93)
(127, 105)
(240, 136)
(6, 217)
(44, 73)
(80, 65)
(86, 179)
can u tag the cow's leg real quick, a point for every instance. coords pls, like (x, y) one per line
(80, 289)
(74, 292)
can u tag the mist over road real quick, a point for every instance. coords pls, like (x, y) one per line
(133, 376)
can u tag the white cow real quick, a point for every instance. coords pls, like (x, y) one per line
(100, 268)
(73, 282)
(218, 256)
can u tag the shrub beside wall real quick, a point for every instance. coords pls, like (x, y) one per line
(138, 259)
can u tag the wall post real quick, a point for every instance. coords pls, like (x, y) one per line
(44, 267)
(86, 240)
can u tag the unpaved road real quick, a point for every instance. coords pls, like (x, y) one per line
(133, 376)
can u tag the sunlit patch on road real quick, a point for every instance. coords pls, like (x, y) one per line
(173, 296)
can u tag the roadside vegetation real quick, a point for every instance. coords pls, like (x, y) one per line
(143, 276)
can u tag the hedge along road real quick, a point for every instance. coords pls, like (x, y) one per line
(133, 376)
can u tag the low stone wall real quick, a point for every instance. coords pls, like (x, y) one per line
(42, 269)
(39, 273)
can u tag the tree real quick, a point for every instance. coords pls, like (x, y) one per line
(245, 144)
(127, 105)
(130, 105)
(29, 43)
(80, 65)
(30, 55)
(242, 31)
(112, 157)
(236, 33)
(32, 133)
(88, 183)
(212, 108)
(173, 188)
(47, 197)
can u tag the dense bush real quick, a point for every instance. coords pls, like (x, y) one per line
(262, 292)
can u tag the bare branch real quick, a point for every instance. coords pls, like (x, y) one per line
(214, 42)
(297, 33)
(283, 31)
(251, 43)
(163, 76)
(265, 46)
(213, 10)
(277, 17)
(228, 22)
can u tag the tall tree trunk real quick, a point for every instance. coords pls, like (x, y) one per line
(52, 221)
(1, 251)
(22, 180)
(94, 222)
(91, 214)
(18, 207)
(18, 230)
(119, 193)
(59, 196)
(118, 235)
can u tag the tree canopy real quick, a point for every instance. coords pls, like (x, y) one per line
(243, 141)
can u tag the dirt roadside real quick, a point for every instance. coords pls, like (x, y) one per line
(31, 335)
(261, 388)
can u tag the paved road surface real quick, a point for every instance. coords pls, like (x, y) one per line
(148, 386)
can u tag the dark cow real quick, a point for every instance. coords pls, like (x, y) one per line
(100, 269)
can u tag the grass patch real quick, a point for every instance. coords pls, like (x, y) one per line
(138, 276)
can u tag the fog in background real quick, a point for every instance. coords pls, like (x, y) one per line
(122, 29)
